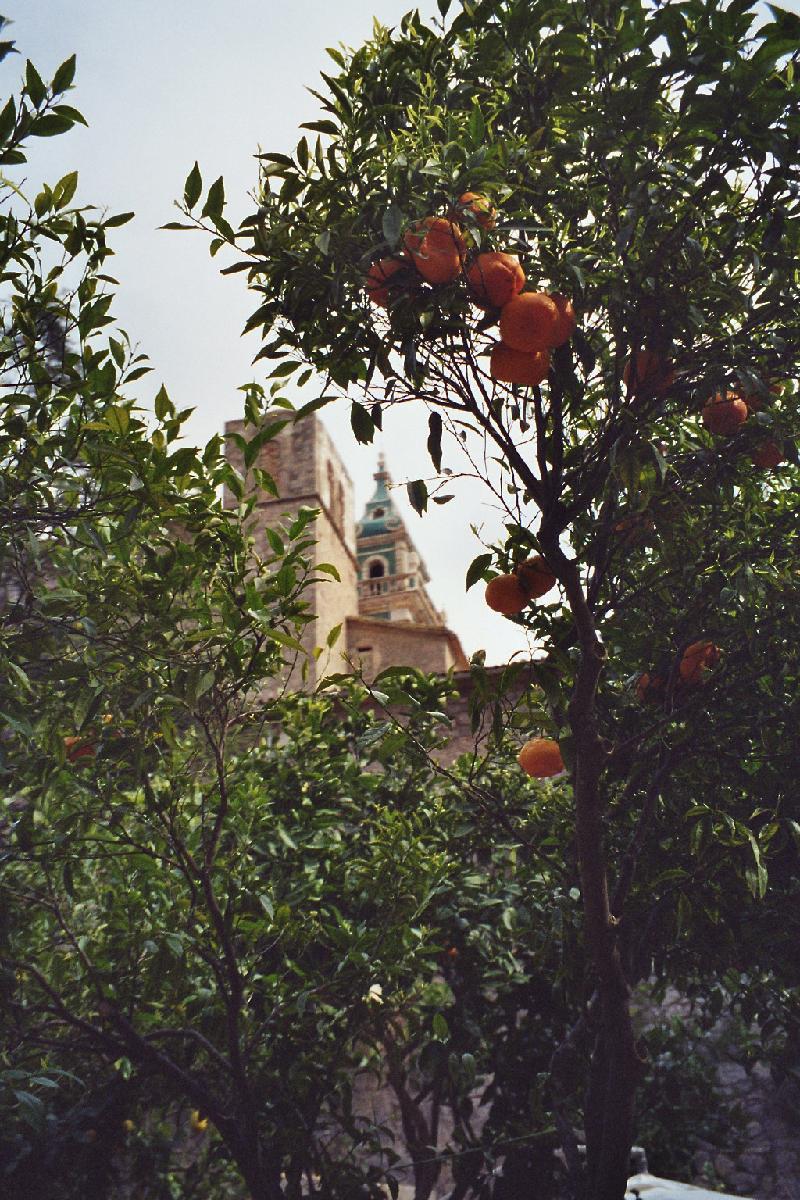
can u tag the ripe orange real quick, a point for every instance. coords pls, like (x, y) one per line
(379, 284)
(480, 207)
(767, 454)
(697, 660)
(78, 748)
(495, 278)
(198, 1122)
(649, 687)
(541, 758)
(436, 246)
(649, 374)
(724, 413)
(514, 366)
(566, 318)
(505, 594)
(535, 576)
(634, 528)
(529, 322)
(440, 233)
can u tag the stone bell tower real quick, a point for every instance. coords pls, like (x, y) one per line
(309, 473)
(380, 599)
(397, 623)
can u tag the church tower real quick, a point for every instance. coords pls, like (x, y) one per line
(397, 623)
(380, 599)
(391, 574)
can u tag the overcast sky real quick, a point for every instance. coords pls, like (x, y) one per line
(162, 83)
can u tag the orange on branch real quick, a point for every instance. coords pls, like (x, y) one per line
(648, 374)
(438, 233)
(79, 748)
(535, 576)
(481, 208)
(567, 320)
(540, 758)
(529, 322)
(495, 278)
(198, 1122)
(381, 282)
(505, 594)
(767, 454)
(649, 687)
(515, 366)
(697, 660)
(724, 413)
(436, 246)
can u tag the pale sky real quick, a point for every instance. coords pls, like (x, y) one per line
(165, 82)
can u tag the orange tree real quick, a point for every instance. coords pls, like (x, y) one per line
(639, 161)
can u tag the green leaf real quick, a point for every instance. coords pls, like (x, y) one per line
(333, 636)
(435, 439)
(321, 126)
(392, 224)
(418, 495)
(441, 1030)
(74, 116)
(215, 200)
(65, 189)
(8, 119)
(329, 569)
(362, 424)
(34, 85)
(163, 405)
(193, 187)
(477, 568)
(62, 80)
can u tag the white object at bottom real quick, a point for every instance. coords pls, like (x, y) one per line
(650, 1187)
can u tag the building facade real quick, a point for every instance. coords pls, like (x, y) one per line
(380, 600)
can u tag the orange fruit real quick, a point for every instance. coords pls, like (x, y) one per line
(566, 318)
(535, 576)
(541, 758)
(505, 594)
(514, 366)
(78, 748)
(436, 246)
(198, 1122)
(529, 322)
(379, 284)
(439, 233)
(724, 413)
(767, 454)
(480, 207)
(495, 278)
(649, 687)
(649, 374)
(696, 660)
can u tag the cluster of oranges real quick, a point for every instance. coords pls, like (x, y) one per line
(531, 323)
(727, 411)
(509, 594)
(436, 250)
(696, 661)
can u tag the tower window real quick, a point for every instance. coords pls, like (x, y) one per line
(377, 512)
(376, 569)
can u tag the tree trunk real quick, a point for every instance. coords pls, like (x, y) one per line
(615, 1065)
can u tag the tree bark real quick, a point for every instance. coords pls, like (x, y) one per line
(615, 1065)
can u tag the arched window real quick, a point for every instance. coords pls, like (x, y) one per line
(376, 569)
(377, 513)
